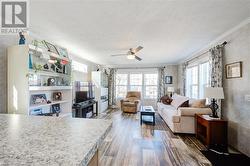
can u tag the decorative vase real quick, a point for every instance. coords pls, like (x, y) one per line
(30, 62)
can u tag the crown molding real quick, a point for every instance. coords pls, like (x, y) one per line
(217, 40)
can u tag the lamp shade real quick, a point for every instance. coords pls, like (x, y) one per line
(170, 89)
(214, 92)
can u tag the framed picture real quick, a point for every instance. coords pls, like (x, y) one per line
(51, 47)
(57, 96)
(233, 70)
(55, 108)
(168, 80)
(62, 51)
(38, 99)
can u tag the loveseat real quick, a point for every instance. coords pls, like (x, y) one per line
(178, 118)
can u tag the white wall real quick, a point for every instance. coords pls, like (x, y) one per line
(172, 70)
(79, 76)
(5, 41)
(235, 108)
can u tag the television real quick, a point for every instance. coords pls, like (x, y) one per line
(84, 92)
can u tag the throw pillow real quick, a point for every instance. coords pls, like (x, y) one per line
(166, 100)
(185, 104)
(178, 100)
(200, 103)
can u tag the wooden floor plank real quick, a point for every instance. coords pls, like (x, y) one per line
(132, 144)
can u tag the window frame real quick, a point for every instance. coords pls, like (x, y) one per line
(199, 81)
(143, 86)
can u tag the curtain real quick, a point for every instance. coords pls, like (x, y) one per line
(216, 73)
(184, 70)
(111, 87)
(161, 85)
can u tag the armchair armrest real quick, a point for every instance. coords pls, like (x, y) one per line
(137, 101)
(191, 111)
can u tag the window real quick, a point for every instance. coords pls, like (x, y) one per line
(204, 78)
(121, 85)
(192, 82)
(135, 82)
(146, 83)
(197, 78)
(77, 66)
(150, 81)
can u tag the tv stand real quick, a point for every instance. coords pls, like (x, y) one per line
(83, 109)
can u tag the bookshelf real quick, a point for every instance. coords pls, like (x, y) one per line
(34, 72)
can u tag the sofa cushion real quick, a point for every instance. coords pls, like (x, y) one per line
(178, 100)
(199, 103)
(190, 111)
(129, 104)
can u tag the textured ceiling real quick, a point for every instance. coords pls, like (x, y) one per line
(169, 30)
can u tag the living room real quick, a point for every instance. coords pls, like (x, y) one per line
(125, 82)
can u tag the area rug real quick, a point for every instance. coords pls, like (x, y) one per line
(226, 160)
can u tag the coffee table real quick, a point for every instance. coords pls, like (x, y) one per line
(147, 114)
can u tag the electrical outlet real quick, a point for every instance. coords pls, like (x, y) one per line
(247, 98)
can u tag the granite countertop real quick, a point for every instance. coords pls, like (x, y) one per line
(34, 140)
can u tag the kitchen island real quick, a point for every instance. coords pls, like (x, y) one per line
(36, 140)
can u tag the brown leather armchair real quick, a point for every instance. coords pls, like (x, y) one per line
(132, 103)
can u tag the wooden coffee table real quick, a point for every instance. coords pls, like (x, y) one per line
(147, 114)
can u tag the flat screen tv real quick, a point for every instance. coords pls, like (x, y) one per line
(84, 93)
(82, 96)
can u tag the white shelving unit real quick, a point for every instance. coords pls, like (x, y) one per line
(100, 80)
(20, 88)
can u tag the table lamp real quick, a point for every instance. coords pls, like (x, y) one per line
(171, 90)
(214, 93)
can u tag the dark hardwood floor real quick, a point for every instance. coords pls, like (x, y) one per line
(130, 144)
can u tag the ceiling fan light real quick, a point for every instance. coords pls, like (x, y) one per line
(131, 57)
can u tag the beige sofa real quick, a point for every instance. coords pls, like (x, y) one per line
(180, 119)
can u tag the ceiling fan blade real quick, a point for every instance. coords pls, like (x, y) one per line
(119, 55)
(138, 58)
(138, 49)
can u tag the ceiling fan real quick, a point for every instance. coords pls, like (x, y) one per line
(131, 54)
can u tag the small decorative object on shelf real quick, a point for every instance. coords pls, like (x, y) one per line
(38, 99)
(22, 38)
(57, 96)
(62, 51)
(39, 44)
(37, 67)
(55, 108)
(30, 62)
(46, 66)
(51, 47)
(51, 82)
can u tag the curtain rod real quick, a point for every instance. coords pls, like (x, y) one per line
(191, 59)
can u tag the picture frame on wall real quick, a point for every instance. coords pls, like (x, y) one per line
(233, 70)
(168, 80)
(51, 47)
